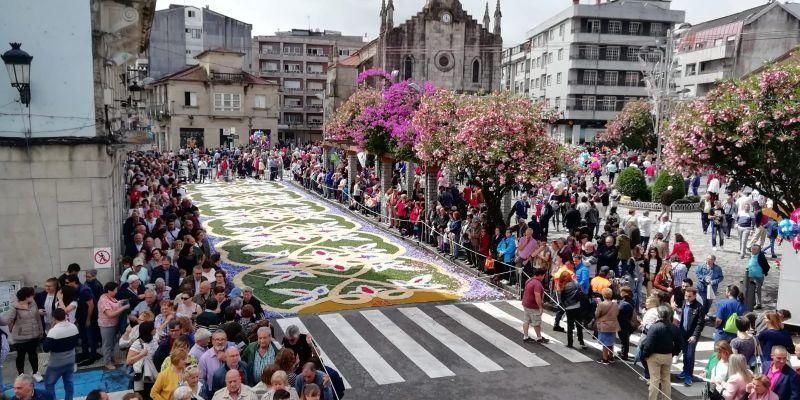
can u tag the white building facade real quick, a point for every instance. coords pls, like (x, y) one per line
(584, 62)
(61, 189)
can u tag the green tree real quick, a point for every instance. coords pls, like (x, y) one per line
(631, 183)
(633, 127)
(665, 180)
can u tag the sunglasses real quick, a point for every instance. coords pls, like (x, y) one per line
(185, 298)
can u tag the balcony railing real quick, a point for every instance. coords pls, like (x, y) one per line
(316, 55)
(316, 90)
(293, 106)
(290, 52)
(285, 89)
(315, 72)
(270, 51)
(619, 83)
(293, 71)
(314, 124)
(597, 106)
(227, 77)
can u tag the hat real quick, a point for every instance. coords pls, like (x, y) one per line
(201, 334)
(236, 292)
(132, 278)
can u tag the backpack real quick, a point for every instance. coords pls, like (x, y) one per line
(730, 324)
(336, 381)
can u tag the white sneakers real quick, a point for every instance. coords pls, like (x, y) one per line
(38, 377)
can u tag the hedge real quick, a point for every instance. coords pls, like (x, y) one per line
(631, 183)
(665, 180)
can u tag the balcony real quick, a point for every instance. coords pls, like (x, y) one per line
(293, 90)
(223, 77)
(621, 65)
(293, 106)
(705, 77)
(707, 54)
(293, 71)
(314, 107)
(608, 90)
(159, 111)
(265, 52)
(315, 124)
(318, 73)
(613, 39)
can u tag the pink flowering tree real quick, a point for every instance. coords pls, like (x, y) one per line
(348, 123)
(497, 140)
(745, 130)
(633, 127)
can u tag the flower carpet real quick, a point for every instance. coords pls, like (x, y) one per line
(302, 256)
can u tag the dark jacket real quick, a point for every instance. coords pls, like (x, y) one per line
(788, 385)
(571, 294)
(219, 376)
(625, 315)
(662, 338)
(696, 317)
(572, 219)
(174, 279)
(38, 394)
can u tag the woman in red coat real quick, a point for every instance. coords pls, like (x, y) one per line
(485, 247)
(682, 250)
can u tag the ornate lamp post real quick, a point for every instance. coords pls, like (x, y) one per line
(18, 64)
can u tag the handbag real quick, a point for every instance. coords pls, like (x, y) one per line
(489, 265)
(759, 363)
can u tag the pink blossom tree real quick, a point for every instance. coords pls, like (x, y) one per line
(498, 141)
(633, 127)
(745, 130)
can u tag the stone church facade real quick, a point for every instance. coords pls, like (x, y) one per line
(442, 44)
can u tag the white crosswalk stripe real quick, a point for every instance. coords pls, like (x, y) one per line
(413, 350)
(513, 349)
(432, 338)
(376, 365)
(450, 340)
(286, 322)
(555, 345)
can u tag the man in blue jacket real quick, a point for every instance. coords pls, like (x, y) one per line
(25, 389)
(787, 383)
(311, 375)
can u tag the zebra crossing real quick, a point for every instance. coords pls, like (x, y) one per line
(394, 345)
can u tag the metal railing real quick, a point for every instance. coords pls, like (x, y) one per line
(226, 77)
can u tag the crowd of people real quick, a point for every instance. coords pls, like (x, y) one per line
(182, 330)
(173, 319)
(616, 275)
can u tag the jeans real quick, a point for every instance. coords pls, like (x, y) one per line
(771, 247)
(688, 355)
(658, 365)
(109, 335)
(88, 339)
(704, 221)
(625, 341)
(759, 283)
(744, 235)
(716, 230)
(51, 376)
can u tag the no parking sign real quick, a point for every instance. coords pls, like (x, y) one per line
(101, 256)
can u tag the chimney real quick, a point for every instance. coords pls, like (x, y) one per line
(576, 2)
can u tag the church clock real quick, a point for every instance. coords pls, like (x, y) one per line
(447, 18)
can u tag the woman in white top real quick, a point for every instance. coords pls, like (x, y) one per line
(132, 333)
(66, 299)
(191, 380)
(187, 307)
(719, 373)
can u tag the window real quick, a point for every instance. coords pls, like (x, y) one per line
(315, 68)
(189, 99)
(538, 61)
(592, 52)
(633, 54)
(594, 25)
(588, 102)
(610, 78)
(631, 78)
(550, 58)
(270, 66)
(561, 30)
(635, 28)
(718, 42)
(656, 29)
(196, 33)
(536, 85)
(615, 27)
(227, 102)
(476, 71)
(408, 68)
(190, 13)
(260, 101)
(344, 52)
(560, 54)
(590, 77)
(549, 80)
(558, 102)
(552, 34)
(558, 78)
(291, 67)
(691, 69)
(291, 85)
(612, 53)
(609, 103)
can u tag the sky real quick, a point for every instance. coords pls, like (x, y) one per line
(360, 17)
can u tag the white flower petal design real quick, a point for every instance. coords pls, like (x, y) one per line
(417, 282)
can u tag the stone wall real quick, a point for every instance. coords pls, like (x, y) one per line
(57, 203)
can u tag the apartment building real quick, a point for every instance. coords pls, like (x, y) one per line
(180, 33)
(585, 61)
(735, 45)
(213, 104)
(298, 60)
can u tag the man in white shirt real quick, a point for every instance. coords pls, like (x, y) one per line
(713, 188)
(665, 227)
(645, 227)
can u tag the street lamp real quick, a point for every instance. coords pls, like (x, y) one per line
(18, 64)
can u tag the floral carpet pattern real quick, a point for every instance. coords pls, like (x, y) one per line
(302, 256)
